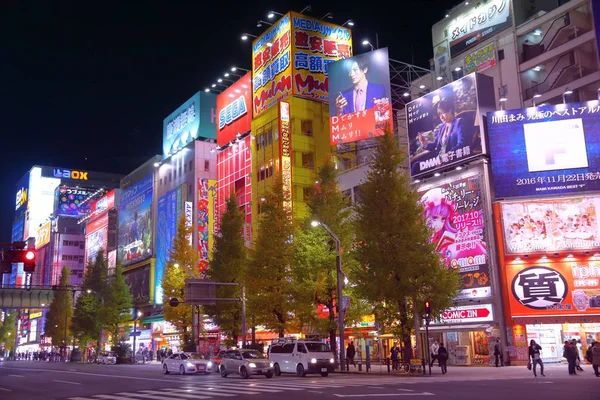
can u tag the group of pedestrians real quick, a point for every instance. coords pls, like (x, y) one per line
(570, 352)
(35, 356)
(439, 353)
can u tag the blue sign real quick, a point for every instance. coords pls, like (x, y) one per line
(193, 119)
(546, 150)
(135, 222)
(168, 212)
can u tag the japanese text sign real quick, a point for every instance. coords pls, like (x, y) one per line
(444, 125)
(551, 225)
(103, 204)
(43, 235)
(545, 150)
(566, 287)
(72, 201)
(360, 103)
(234, 110)
(481, 59)
(455, 213)
(286, 153)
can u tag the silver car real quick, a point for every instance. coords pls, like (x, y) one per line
(246, 362)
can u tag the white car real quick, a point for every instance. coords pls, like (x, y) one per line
(106, 357)
(301, 357)
(185, 363)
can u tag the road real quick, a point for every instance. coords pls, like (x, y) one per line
(24, 380)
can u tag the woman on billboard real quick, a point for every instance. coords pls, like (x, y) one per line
(438, 212)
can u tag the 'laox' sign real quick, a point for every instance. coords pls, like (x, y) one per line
(457, 315)
(70, 174)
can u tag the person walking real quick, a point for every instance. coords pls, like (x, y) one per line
(395, 352)
(535, 356)
(570, 354)
(578, 357)
(498, 353)
(442, 357)
(434, 352)
(350, 353)
(596, 358)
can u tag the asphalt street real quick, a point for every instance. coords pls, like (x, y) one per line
(47, 381)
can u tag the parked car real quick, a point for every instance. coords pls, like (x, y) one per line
(216, 360)
(301, 357)
(245, 362)
(106, 357)
(186, 363)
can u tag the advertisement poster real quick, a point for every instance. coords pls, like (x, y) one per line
(207, 198)
(552, 225)
(95, 243)
(168, 212)
(554, 288)
(547, 150)
(454, 211)
(234, 110)
(43, 235)
(441, 60)
(193, 119)
(481, 59)
(272, 65)
(443, 126)
(103, 204)
(71, 201)
(138, 280)
(478, 24)
(135, 222)
(316, 44)
(360, 103)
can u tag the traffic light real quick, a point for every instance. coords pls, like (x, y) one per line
(27, 257)
(427, 307)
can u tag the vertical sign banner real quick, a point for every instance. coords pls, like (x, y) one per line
(547, 150)
(286, 153)
(43, 235)
(272, 65)
(316, 44)
(213, 226)
(203, 225)
(166, 229)
(481, 59)
(96, 239)
(189, 218)
(454, 211)
(234, 110)
(441, 60)
(135, 222)
(360, 103)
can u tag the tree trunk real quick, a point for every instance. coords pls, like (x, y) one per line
(405, 327)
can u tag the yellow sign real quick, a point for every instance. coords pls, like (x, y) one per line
(213, 228)
(21, 198)
(43, 235)
(35, 315)
(286, 153)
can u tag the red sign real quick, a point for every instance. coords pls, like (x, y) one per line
(103, 204)
(234, 110)
(96, 224)
(466, 314)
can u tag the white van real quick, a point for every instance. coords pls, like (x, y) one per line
(301, 357)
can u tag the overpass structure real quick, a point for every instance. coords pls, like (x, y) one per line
(35, 297)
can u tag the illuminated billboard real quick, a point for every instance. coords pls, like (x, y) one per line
(168, 212)
(563, 287)
(207, 199)
(41, 201)
(545, 150)
(135, 222)
(43, 234)
(360, 103)
(444, 126)
(96, 243)
(193, 119)
(234, 110)
(480, 59)
(103, 204)
(72, 201)
(454, 210)
(551, 225)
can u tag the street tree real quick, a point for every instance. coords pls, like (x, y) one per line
(268, 277)
(228, 265)
(60, 311)
(182, 265)
(314, 257)
(398, 266)
(117, 303)
(8, 329)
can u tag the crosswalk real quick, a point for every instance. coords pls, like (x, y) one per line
(233, 388)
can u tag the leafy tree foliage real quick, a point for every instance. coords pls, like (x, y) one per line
(60, 311)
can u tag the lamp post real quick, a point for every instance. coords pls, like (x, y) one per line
(136, 316)
(340, 286)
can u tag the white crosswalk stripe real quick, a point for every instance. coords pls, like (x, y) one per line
(217, 389)
(211, 392)
(176, 395)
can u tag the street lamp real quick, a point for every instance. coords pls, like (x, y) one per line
(246, 35)
(366, 42)
(536, 96)
(137, 315)
(340, 286)
(565, 94)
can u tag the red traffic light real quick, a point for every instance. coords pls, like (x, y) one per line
(30, 255)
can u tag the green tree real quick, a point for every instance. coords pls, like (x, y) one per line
(227, 265)
(314, 260)
(115, 311)
(8, 330)
(268, 277)
(399, 267)
(60, 311)
(182, 265)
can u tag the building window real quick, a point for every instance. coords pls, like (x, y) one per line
(265, 171)
(170, 176)
(180, 174)
(64, 243)
(190, 188)
(307, 193)
(185, 168)
(64, 257)
(160, 182)
(308, 160)
(190, 167)
(306, 126)
(82, 245)
(206, 165)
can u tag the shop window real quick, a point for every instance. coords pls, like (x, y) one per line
(306, 126)
(308, 160)
(206, 165)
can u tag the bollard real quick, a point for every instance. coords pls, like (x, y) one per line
(423, 365)
(387, 362)
(360, 364)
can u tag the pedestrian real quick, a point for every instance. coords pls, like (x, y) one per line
(535, 357)
(498, 353)
(350, 353)
(442, 357)
(395, 353)
(434, 352)
(570, 354)
(596, 358)
(578, 359)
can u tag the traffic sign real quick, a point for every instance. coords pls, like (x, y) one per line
(466, 314)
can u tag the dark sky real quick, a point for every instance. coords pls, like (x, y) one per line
(86, 85)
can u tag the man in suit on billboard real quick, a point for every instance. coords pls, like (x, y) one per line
(362, 94)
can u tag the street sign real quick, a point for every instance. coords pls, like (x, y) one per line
(200, 292)
(466, 314)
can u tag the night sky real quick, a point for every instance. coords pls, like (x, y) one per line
(87, 86)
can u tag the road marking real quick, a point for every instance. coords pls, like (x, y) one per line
(69, 382)
(17, 376)
(212, 392)
(384, 394)
(375, 387)
(313, 391)
(278, 386)
(106, 396)
(406, 390)
(254, 388)
(6, 390)
(184, 395)
(148, 396)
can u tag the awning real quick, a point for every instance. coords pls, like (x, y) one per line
(457, 328)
